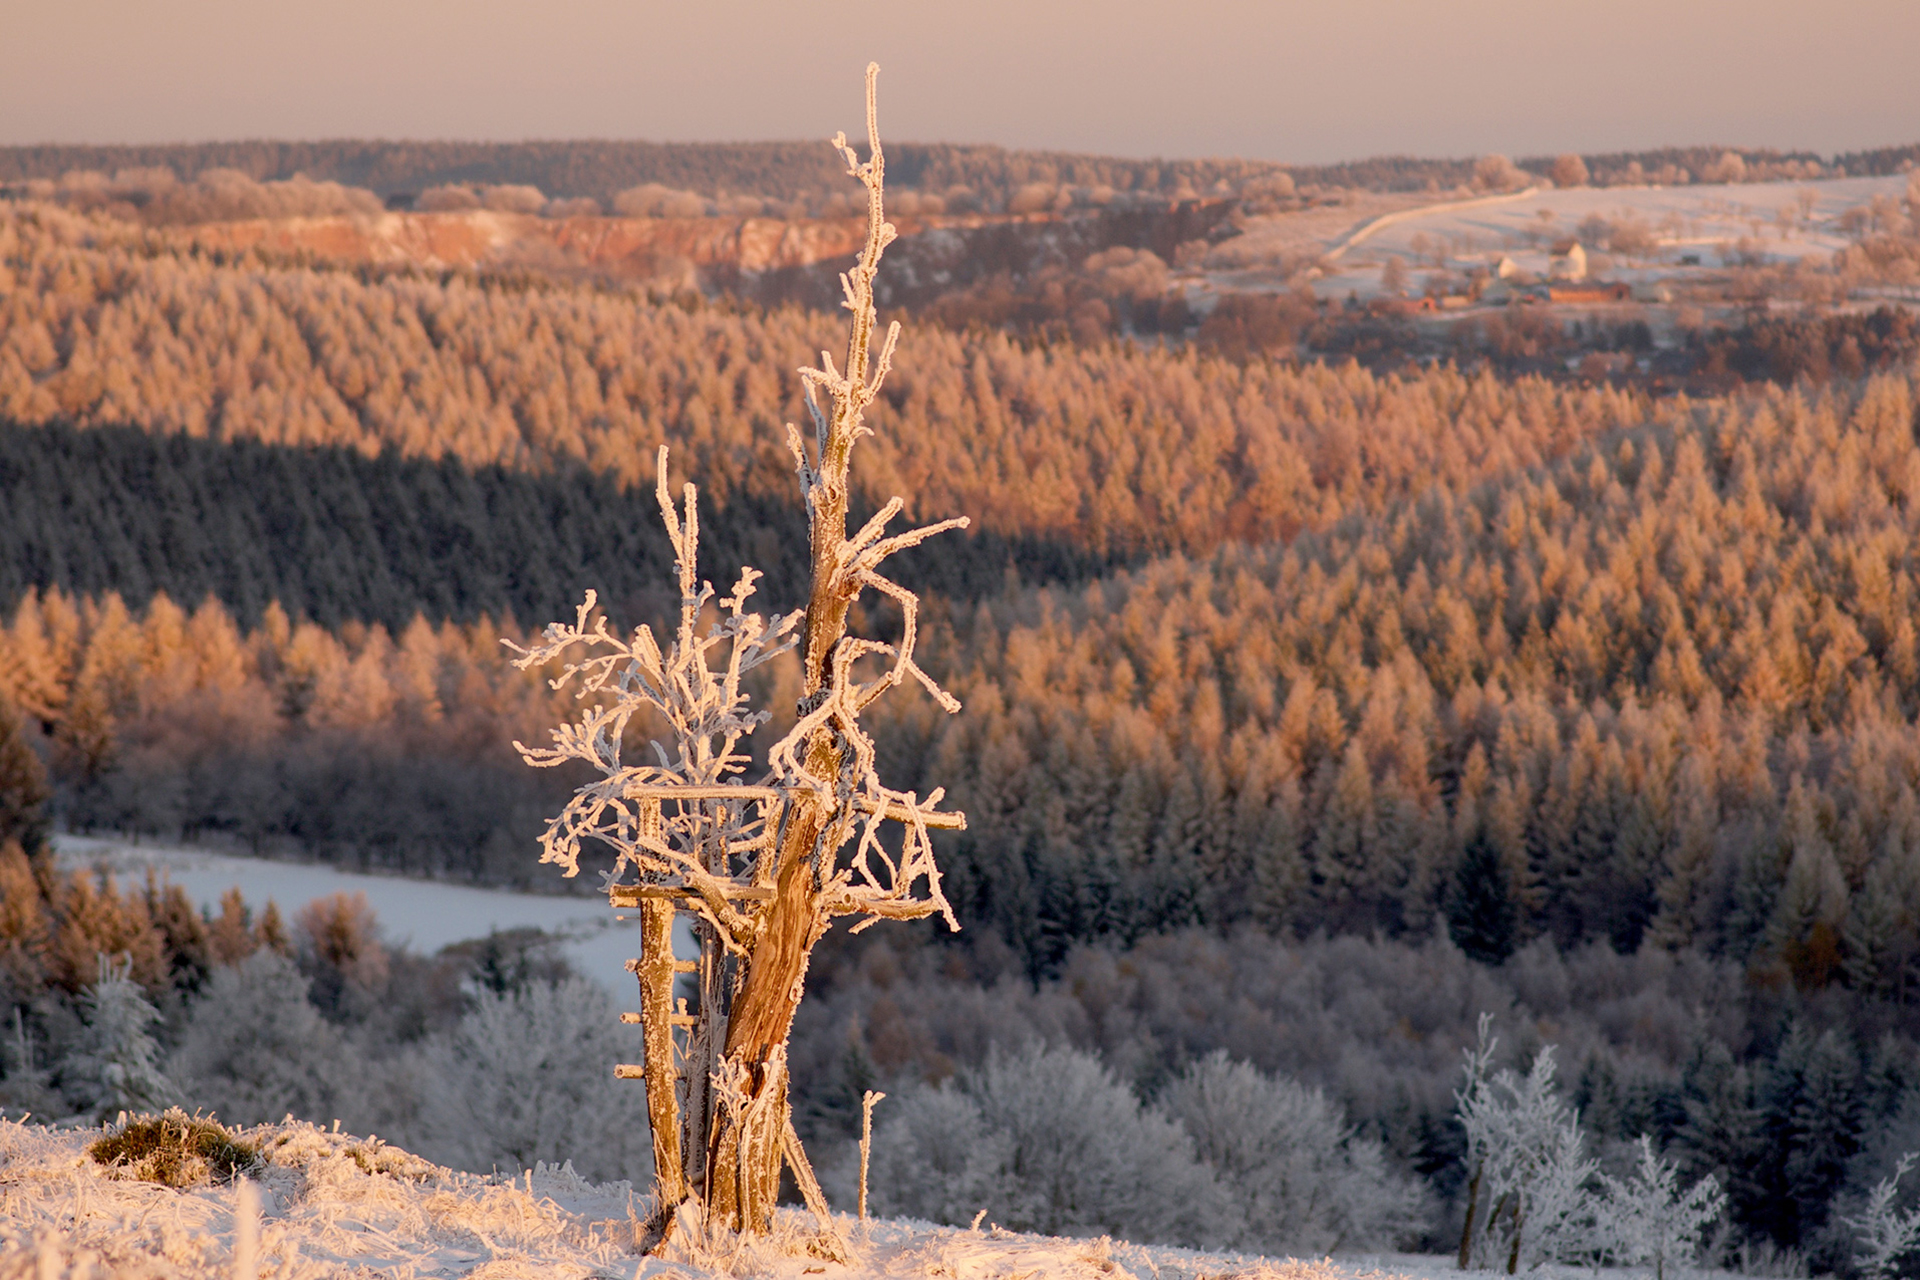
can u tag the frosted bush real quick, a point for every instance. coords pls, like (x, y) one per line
(528, 1076)
(572, 207)
(255, 1049)
(936, 1159)
(449, 197)
(1047, 1140)
(1647, 1219)
(1302, 1182)
(513, 198)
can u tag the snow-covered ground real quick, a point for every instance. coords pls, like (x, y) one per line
(331, 1204)
(328, 1204)
(1778, 221)
(424, 914)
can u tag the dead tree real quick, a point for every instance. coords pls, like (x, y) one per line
(762, 868)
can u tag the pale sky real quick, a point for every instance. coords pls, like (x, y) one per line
(1280, 79)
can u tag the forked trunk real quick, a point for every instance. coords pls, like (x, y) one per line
(757, 1030)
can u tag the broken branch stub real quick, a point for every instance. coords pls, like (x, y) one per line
(761, 868)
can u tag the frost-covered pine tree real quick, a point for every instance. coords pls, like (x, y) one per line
(115, 1064)
(762, 868)
(1529, 1197)
(1646, 1217)
(1882, 1234)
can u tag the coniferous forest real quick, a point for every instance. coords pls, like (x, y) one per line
(1309, 710)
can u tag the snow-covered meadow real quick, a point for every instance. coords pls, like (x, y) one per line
(325, 1203)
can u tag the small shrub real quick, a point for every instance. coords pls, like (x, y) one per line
(175, 1150)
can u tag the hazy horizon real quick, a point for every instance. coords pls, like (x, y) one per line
(1278, 81)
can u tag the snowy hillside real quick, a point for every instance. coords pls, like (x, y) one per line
(331, 1204)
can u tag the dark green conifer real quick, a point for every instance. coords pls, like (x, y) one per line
(1482, 917)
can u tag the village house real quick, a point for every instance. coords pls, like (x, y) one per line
(1569, 261)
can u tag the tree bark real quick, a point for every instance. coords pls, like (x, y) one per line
(1473, 1205)
(656, 972)
(757, 1030)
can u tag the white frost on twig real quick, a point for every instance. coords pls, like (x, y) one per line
(686, 821)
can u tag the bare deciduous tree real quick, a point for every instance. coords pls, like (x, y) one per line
(762, 869)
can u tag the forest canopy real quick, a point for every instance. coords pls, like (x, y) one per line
(1242, 641)
(1391, 697)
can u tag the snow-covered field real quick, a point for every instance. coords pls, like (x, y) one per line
(328, 1204)
(331, 1204)
(1778, 221)
(424, 914)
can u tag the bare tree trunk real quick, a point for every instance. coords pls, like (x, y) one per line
(656, 972)
(866, 1143)
(1473, 1205)
(758, 1026)
(761, 1017)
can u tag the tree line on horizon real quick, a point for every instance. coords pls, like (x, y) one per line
(810, 173)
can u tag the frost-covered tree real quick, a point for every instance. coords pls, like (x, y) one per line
(1528, 1192)
(762, 869)
(1646, 1217)
(255, 1049)
(1882, 1234)
(1303, 1181)
(1047, 1139)
(115, 1063)
(525, 1078)
(935, 1158)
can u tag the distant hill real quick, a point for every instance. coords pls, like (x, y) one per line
(809, 170)
(601, 169)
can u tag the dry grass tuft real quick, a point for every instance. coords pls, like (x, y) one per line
(174, 1150)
